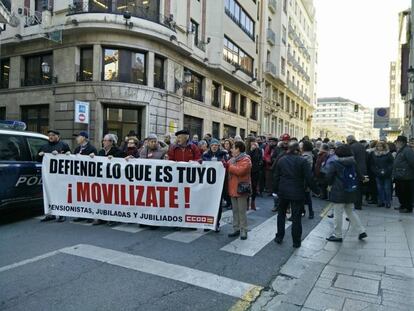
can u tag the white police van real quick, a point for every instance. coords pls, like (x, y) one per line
(20, 174)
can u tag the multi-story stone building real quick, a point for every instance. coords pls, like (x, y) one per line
(154, 66)
(337, 117)
(289, 66)
(147, 66)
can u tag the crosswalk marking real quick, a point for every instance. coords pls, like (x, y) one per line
(179, 273)
(130, 228)
(185, 236)
(257, 239)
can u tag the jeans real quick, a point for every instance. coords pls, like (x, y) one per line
(384, 190)
(255, 180)
(296, 207)
(239, 213)
(339, 209)
(308, 201)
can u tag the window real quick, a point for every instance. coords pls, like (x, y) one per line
(86, 64)
(124, 66)
(33, 70)
(120, 121)
(283, 65)
(34, 145)
(243, 104)
(193, 125)
(230, 101)
(2, 113)
(242, 133)
(194, 88)
(216, 130)
(12, 148)
(215, 94)
(236, 56)
(159, 72)
(253, 110)
(195, 31)
(36, 118)
(4, 73)
(284, 35)
(240, 17)
(229, 131)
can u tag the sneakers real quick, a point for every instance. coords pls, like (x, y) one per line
(333, 238)
(48, 218)
(278, 240)
(243, 235)
(362, 236)
(234, 234)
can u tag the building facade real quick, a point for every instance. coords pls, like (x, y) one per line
(337, 117)
(289, 67)
(152, 66)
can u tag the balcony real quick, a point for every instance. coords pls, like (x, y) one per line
(271, 36)
(36, 81)
(143, 12)
(272, 5)
(271, 69)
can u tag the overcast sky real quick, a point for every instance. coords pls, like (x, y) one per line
(357, 40)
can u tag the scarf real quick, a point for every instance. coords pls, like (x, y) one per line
(234, 160)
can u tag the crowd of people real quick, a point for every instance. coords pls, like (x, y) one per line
(289, 170)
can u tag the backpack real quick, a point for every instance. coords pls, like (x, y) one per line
(349, 178)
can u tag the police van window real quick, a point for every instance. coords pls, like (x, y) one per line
(12, 148)
(34, 145)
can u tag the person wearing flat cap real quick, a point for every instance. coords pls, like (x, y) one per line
(84, 146)
(403, 174)
(153, 150)
(183, 150)
(54, 146)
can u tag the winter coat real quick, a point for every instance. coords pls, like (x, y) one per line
(267, 156)
(381, 162)
(186, 153)
(360, 156)
(114, 151)
(320, 160)
(308, 156)
(333, 177)
(239, 170)
(158, 153)
(132, 151)
(85, 150)
(404, 164)
(220, 155)
(60, 147)
(256, 157)
(292, 175)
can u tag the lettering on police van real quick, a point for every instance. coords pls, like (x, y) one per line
(29, 180)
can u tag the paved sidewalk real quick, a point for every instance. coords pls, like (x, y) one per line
(375, 274)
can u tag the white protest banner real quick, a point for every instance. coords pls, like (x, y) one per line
(150, 192)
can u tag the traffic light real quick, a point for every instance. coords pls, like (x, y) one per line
(356, 108)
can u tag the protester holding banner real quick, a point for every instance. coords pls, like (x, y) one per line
(84, 146)
(183, 150)
(216, 154)
(239, 185)
(132, 151)
(153, 150)
(54, 146)
(109, 150)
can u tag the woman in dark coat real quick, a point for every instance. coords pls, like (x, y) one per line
(381, 167)
(344, 191)
(256, 157)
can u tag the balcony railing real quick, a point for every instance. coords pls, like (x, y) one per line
(272, 5)
(271, 68)
(138, 11)
(271, 36)
(198, 97)
(36, 81)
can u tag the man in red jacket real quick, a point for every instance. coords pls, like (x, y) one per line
(183, 150)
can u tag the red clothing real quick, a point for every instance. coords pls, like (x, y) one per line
(322, 156)
(267, 156)
(184, 154)
(238, 172)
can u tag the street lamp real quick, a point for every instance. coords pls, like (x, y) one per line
(45, 68)
(188, 76)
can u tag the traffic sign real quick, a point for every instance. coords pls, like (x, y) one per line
(81, 112)
(381, 117)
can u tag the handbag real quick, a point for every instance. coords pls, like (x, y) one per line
(244, 188)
